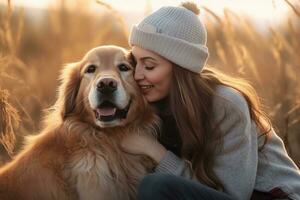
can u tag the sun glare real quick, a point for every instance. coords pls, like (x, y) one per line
(260, 11)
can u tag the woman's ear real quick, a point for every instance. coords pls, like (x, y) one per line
(70, 82)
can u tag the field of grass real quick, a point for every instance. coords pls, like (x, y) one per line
(31, 56)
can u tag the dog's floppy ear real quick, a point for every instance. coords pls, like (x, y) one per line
(67, 92)
(130, 58)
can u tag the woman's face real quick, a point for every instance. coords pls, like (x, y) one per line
(153, 74)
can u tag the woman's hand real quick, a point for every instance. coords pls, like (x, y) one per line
(142, 144)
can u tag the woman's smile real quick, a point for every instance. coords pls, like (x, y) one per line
(146, 88)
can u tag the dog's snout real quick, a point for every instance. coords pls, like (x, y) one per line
(107, 85)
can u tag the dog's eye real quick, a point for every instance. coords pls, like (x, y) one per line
(123, 67)
(90, 69)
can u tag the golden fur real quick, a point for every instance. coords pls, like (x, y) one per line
(74, 157)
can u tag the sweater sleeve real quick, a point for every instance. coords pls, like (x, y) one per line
(236, 164)
(172, 164)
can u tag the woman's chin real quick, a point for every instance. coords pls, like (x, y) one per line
(150, 98)
(153, 98)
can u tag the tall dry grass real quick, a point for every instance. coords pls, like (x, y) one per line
(31, 56)
(270, 60)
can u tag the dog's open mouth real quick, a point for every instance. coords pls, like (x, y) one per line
(108, 111)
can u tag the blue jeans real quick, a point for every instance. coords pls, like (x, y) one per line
(158, 186)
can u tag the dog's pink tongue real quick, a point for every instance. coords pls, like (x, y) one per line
(106, 111)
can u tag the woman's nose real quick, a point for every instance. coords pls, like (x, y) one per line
(138, 73)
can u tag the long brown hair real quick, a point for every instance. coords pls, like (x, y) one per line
(191, 103)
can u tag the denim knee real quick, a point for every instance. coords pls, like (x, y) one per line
(155, 186)
(166, 186)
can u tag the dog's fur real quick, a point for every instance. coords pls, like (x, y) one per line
(76, 156)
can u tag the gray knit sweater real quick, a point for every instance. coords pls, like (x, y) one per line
(240, 166)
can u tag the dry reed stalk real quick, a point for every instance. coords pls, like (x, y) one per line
(9, 119)
(241, 55)
(12, 37)
(115, 13)
(215, 16)
(295, 110)
(296, 11)
(221, 52)
(249, 61)
(289, 122)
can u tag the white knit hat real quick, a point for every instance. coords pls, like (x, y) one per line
(176, 33)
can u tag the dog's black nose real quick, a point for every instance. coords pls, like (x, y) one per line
(107, 85)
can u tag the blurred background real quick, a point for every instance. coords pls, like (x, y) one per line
(258, 40)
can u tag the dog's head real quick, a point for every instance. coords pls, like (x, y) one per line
(100, 89)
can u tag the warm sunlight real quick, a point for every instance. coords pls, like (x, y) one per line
(258, 10)
(149, 99)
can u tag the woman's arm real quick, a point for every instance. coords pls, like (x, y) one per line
(236, 164)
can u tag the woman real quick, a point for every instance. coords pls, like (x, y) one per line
(215, 141)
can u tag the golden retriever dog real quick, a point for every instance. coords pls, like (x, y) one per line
(78, 155)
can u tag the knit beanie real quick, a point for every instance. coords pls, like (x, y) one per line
(175, 33)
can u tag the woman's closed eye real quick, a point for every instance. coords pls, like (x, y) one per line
(149, 65)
